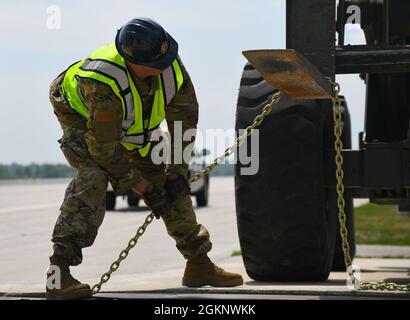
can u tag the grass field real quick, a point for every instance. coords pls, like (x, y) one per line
(376, 224)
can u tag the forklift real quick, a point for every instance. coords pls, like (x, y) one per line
(287, 213)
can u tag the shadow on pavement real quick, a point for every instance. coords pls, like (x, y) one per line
(330, 282)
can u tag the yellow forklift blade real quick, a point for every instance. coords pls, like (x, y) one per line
(291, 73)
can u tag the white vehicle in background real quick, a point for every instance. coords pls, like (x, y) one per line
(199, 189)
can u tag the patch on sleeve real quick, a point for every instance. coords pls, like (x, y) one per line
(104, 116)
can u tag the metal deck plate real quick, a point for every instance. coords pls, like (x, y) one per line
(291, 73)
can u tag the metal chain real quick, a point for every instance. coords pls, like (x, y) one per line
(338, 129)
(247, 132)
(141, 230)
(123, 254)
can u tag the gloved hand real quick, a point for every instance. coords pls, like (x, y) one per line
(177, 186)
(156, 199)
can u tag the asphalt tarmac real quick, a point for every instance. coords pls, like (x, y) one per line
(29, 209)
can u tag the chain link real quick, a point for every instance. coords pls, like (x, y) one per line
(338, 130)
(141, 230)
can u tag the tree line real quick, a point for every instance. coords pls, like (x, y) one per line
(35, 171)
(46, 171)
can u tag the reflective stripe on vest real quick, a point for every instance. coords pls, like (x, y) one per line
(139, 138)
(171, 78)
(107, 66)
(118, 74)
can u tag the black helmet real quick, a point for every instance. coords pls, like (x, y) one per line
(143, 41)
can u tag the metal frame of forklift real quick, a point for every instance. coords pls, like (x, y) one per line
(380, 169)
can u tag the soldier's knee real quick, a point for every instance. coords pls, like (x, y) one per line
(96, 173)
(96, 177)
(90, 186)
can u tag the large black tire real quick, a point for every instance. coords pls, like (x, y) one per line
(110, 199)
(285, 231)
(202, 197)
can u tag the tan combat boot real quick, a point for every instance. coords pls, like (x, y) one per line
(201, 272)
(71, 289)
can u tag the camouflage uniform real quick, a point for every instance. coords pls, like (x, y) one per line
(92, 147)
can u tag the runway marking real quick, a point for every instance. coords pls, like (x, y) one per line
(32, 207)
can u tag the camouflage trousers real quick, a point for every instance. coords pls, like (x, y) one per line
(83, 208)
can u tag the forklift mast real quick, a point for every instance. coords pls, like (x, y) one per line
(288, 211)
(380, 169)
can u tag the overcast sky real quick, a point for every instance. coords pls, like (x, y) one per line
(211, 35)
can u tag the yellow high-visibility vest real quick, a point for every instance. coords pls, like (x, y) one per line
(107, 66)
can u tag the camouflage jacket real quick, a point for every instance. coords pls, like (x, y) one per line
(103, 126)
